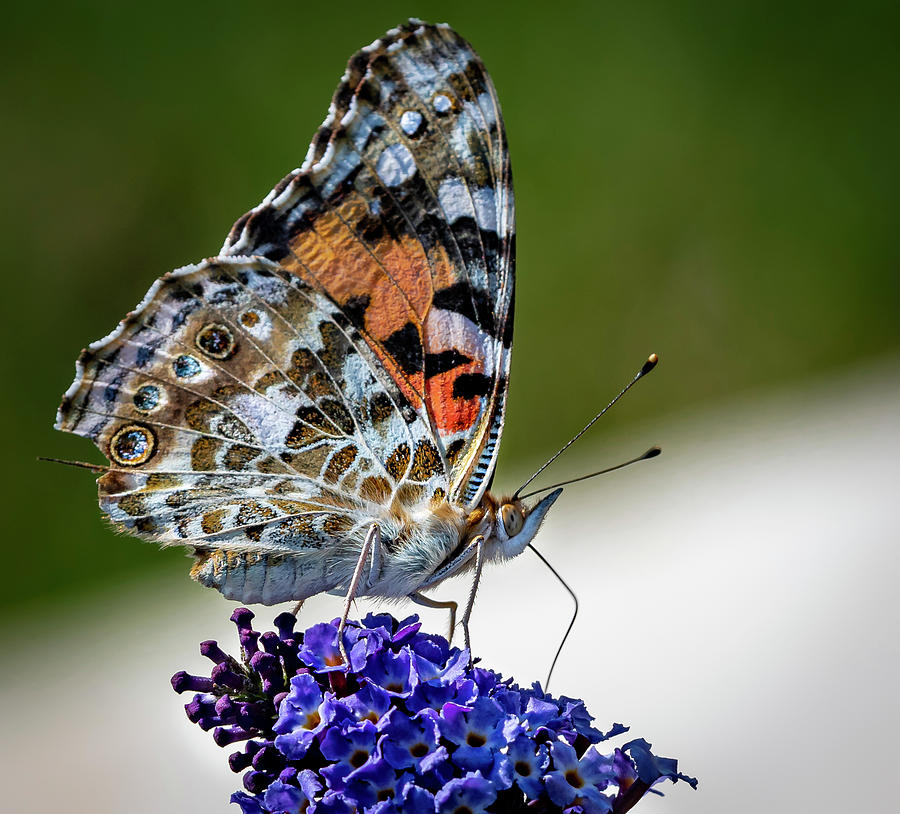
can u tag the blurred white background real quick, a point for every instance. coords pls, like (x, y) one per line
(739, 611)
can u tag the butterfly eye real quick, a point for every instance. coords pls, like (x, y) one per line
(512, 519)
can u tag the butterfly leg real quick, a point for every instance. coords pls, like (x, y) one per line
(373, 539)
(295, 611)
(478, 543)
(428, 602)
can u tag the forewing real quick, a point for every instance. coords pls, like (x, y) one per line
(402, 216)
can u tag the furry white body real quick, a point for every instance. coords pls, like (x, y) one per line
(417, 549)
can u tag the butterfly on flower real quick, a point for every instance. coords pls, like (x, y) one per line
(318, 408)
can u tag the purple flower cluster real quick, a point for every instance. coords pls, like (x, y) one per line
(407, 726)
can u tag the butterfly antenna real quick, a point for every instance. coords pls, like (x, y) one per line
(645, 369)
(650, 453)
(574, 614)
(79, 464)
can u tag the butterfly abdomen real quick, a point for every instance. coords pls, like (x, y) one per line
(264, 578)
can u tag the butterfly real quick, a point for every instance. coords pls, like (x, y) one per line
(318, 408)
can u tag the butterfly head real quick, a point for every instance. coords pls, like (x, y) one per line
(515, 524)
(506, 525)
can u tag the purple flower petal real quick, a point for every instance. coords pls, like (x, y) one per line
(320, 650)
(416, 800)
(472, 793)
(347, 750)
(281, 797)
(650, 768)
(477, 731)
(248, 804)
(371, 783)
(406, 741)
(392, 672)
(335, 803)
(369, 703)
(300, 714)
(579, 782)
(528, 761)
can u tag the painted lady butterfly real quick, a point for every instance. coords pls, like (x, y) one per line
(319, 407)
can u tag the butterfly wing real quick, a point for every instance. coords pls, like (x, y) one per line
(347, 351)
(402, 214)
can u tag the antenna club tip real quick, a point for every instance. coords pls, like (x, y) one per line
(651, 363)
(652, 452)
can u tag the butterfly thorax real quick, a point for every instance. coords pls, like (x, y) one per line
(423, 544)
(417, 537)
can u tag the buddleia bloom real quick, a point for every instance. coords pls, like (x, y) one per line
(406, 725)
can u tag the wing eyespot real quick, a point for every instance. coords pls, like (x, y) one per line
(132, 445)
(186, 367)
(146, 398)
(216, 341)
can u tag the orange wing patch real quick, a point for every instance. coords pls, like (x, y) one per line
(385, 286)
(340, 264)
(458, 354)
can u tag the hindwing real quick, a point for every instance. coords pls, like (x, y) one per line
(239, 410)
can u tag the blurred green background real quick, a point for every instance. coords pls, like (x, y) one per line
(714, 182)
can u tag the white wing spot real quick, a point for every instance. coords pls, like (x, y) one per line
(456, 202)
(411, 121)
(396, 165)
(442, 104)
(350, 114)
